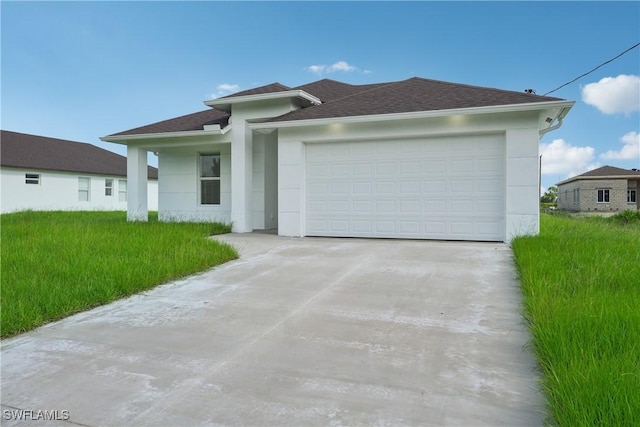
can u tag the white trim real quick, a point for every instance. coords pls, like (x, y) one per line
(209, 130)
(415, 115)
(263, 97)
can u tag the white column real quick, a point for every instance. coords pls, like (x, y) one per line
(241, 177)
(137, 184)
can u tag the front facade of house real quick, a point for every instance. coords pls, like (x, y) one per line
(41, 173)
(417, 159)
(602, 190)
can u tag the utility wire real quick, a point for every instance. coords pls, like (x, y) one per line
(589, 72)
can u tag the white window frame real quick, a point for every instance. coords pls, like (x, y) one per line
(202, 178)
(632, 196)
(606, 195)
(32, 178)
(108, 187)
(122, 190)
(84, 191)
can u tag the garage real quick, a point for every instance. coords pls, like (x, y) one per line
(448, 188)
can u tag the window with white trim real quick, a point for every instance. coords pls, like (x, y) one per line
(603, 195)
(32, 178)
(84, 189)
(631, 196)
(122, 190)
(108, 187)
(210, 179)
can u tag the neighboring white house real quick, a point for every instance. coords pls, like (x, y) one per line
(42, 173)
(417, 159)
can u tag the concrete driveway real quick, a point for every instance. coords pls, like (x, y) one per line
(298, 332)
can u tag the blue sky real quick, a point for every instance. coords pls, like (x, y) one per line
(82, 70)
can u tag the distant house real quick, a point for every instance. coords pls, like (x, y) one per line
(606, 189)
(42, 173)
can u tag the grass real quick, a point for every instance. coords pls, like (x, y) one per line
(55, 264)
(581, 287)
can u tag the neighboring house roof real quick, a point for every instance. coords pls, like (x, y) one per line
(346, 100)
(605, 172)
(24, 151)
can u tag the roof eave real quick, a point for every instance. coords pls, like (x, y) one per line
(209, 130)
(224, 104)
(594, 178)
(537, 106)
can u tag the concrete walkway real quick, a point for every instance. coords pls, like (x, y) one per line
(298, 332)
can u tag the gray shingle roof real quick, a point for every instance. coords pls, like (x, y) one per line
(605, 171)
(270, 88)
(345, 100)
(189, 122)
(24, 151)
(412, 95)
(610, 171)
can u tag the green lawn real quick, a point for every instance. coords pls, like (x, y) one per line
(581, 286)
(58, 263)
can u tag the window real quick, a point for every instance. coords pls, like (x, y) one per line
(603, 196)
(84, 187)
(210, 179)
(122, 190)
(631, 196)
(32, 178)
(576, 196)
(108, 187)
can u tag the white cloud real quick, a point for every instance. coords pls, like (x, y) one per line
(328, 69)
(614, 94)
(630, 148)
(340, 66)
(225, 89)
(560, 158)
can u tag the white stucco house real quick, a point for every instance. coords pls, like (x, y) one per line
(42, 173)
(415, 159)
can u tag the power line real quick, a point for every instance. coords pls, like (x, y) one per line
(589, 72)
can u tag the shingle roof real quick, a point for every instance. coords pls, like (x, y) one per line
(610, 171)
(605, 171)
(345, 100)
(412, 95)
(329, 90)
(20, 150)
(270, 88)
(194, 121)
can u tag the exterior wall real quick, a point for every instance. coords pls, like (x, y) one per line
(179, 186)
(571, 196)
(59, 191)
(264, 203)
(522, 162)
(589, 195)
(245, 217)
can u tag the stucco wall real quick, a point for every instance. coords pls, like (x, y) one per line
(59, 191)
(179, 186)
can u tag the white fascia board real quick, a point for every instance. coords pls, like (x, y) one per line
(511, 108)
(263, 97)
(211, 130)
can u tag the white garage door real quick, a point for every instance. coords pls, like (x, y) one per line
(436, 188)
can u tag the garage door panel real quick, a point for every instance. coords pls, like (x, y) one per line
(441, 188)
(341, 169)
